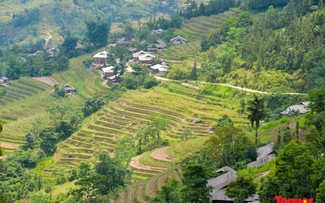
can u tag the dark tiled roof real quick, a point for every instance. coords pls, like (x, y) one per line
(264, 154)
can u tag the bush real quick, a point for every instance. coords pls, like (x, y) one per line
(150, 82)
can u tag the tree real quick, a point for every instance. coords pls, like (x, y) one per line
(109, 174)
(269, 188)
(195, 181)
(97, 32)
(125, 149)
(224, 122)
(293, 170)
(157, 123)
(30, 139)
(229, 145)
(169, 193)
(92, 105)
(193, 75)
(240, 189)
(256, 113)
(317, 97)
(150, 82)
(59, 91)
(58, 111)
(320, 193)
(49, 139)
(69, 46)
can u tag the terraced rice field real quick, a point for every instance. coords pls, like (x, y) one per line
(23, 96)
(183, 51)
(193, 30)
(27, 98)
(127, 114)
(86, 81)
(144, 191)
(199, 27)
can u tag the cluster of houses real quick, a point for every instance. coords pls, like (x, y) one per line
(227, 174)
(147, 58)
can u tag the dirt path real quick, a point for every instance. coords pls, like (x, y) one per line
(135, 163)
(2, 157)
(9, 146)
(161, 155)
(261, 176)
(235, 87)
(48, 38)
(47, 80)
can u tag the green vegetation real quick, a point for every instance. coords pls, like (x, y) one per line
(127, 140)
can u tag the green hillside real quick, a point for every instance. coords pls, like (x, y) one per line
(46, 22)
(180, 104)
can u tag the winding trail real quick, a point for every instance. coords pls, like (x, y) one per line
(135, 163)
(161, 155)
(235, 87)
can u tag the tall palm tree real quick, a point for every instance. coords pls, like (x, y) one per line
(256, 113)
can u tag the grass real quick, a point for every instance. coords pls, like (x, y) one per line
(256, 172)
(63, 188)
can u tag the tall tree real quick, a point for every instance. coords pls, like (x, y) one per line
(256, 113)
(195, 180)
(193, 75)
(240, 189)
(317, 96)
(97, 32)
(109, 174)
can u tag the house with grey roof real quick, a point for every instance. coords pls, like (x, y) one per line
(80, 46)
(300, 108)
(264, 154)
(4, 80)
(100, 59)
(69, 89)
(158, 45)
(123, 42)
(53, 52)
(178, 40)
(160, 69)
(220, 183)
(157, 32)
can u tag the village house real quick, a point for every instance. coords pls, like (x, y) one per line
(178, 40)
(70, 90)
(146, 59)
(4, 80)
(108, 71)
(158, 45)
(264, 154)
(100, 59)
(35, 53)
(53, 52)
(157, 32)
(220, 183)
(122, 42)
(136, 55)
(80, 47)
(300, 108)
(114, 78)
(160, 69)
(133, 50)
